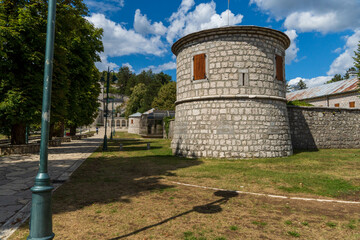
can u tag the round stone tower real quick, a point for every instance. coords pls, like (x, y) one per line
(231, 94)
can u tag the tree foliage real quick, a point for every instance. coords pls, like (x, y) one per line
(357, 60)
(22, 48)
(136, 101)
(142, 88)
(338, 77)
(165, 100)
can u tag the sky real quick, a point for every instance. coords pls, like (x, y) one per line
(139, 33)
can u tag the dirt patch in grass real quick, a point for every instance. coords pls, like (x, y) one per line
(128, 195)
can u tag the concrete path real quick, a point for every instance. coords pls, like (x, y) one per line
(17, 175)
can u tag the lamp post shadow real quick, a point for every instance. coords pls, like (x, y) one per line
(209, 208)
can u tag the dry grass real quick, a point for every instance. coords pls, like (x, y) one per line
(128, 195)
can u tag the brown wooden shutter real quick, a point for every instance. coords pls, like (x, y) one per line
(337, 105)
(279, 68)
(352, 104)
(199, 67)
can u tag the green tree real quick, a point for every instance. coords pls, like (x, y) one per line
(22, 47)
(301, 85)
(124, 75)
(22, 31)
(166, 97)
(84, 86)
(357, 59)
(336, 78)
(136, 101)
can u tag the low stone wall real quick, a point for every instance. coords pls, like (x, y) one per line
(324, 127)
(76, 137)
(53, 143)
(20, 149)
(64, 139)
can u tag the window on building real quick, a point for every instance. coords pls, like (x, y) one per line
(279, 68)
(132, 121)
(352, 104)
(243, 77)
(199, 67)
(337, 105)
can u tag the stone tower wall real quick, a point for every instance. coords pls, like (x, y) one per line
(239, 110)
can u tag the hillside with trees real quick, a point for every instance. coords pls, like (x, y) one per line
(145, 90)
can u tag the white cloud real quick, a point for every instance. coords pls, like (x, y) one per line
(291, 52)
(104, 64)
(345, 60)
(143, 25)
(119, 41)
(309, 15)
(310, 82)
(129, 66)
(204, 16)
(310, 21)
(160, 68)
(105, 5)
(338, 50)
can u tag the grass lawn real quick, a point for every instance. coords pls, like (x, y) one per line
(129, 194)
(3, 137)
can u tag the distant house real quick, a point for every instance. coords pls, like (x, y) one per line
(151, 122)
(134, 123)
(344, 94)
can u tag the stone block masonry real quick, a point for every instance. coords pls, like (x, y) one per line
(238, 108)
(232, 128)
(323, 127)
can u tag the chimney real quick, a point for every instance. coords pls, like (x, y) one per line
(353, 74)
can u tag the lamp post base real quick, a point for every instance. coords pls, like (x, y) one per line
(41, 216)
(105, 143)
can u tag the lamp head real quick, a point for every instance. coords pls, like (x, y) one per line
(114, 78)
(102, 79)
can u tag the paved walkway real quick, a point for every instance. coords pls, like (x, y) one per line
(17, 175)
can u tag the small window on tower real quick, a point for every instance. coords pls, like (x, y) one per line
(279, 68)
(199, 67)
(352, 104)
(336, 105)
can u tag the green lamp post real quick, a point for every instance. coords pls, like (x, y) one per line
(107, 102)
(112, 120)
(41, 216)
(113, 114)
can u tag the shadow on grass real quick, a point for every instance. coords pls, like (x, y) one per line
(108, 179)
(209, 208)
(298, 151)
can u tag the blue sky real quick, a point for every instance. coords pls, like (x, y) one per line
(140, 33)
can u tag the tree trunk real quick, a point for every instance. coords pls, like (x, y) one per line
(58, 130)
(73, 131)
(18, 133)
(51, 130)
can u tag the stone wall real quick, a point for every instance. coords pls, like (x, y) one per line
(323, 127)
(232, 129)
(20, 149)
